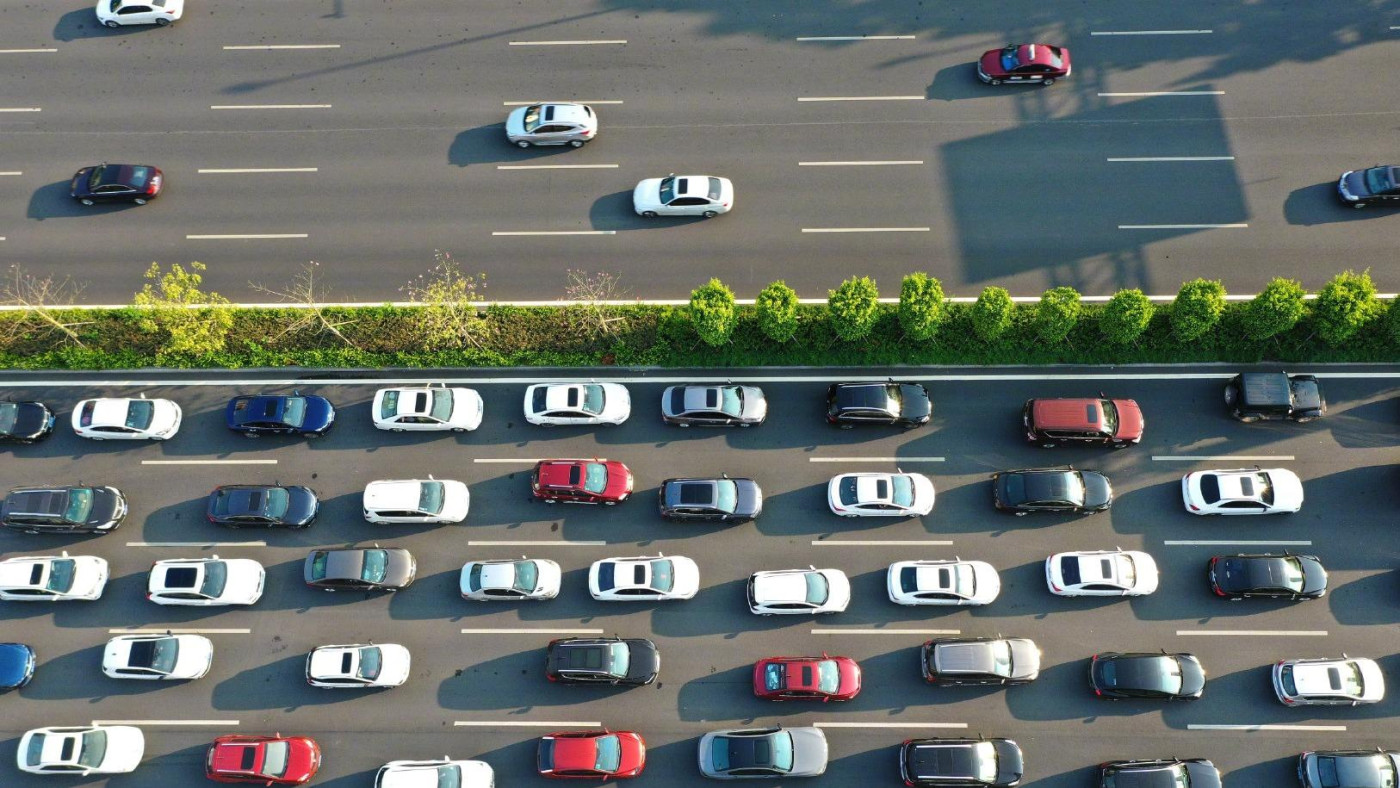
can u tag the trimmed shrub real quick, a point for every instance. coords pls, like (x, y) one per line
(165, 310)
(1344, 305)
(1057, 314)
(920, 306)
(991, 313)
(712, 312)
(1197, 309)
(777, 306)
(1126, 316)
(854, 308)
(1277, 308)
(1391, 322)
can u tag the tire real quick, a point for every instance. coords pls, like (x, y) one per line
(1231, 395)
(522, 144)
(1304, 419)
(575, 143)
(850, 516)
(710, 214)
(649, 214)
(162, 22)
(139, 201)
(1358, 205)
(1047, 82)
(396, 429)
(683, 426)
(1248, 419)
(112, 23)
(87, 202)
(1047, 444)
(996, 82)
(1120, 445)
(1021, 514)
(459, 429)
(610, 503)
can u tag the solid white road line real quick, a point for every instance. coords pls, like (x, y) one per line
(566, 43)
(861, 98)
(856, 38)
(505, 459)
(196, 544)
(1257, 542)
(26, 51)
(865, 229)
(269, 106)
(1313, 633)
(886, 631)
(882, 542)
(1182, 226)
(958, 725)
(283, 46)
(1151, 32)
(177, 631)
(208, 462)
(556, 101)
(527, 724)
(556, 166)
(875, 459)
(12, 172)
(534, 631)
(1222, 457)
(258, 170)
(210, 723)
(539, 543)
(20, 109)
(1266, 727)
(245, 237)
(1172, 158)
(1167, 93)
(855, 163)
(556, 232)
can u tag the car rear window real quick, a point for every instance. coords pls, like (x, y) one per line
(714, 189)
(1210, 488)
(1069, 570)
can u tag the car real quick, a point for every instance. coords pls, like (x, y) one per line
(81, 750)
(643, 579)
(1054, 490)
(416, 501)
(441, 773)
(713, 406)
(596, 481)
(119, 418)
(360, 569)
(942, 582)
(1024, 63)
(944, 763)
(722, 500)
(979, 661)
(561, 123)
(875, 494)
(683, 195)
(559, 404)
(116, 13)
(903, 404)
(1285, 576)
(52, 578)
(1378, 185)
(824, 678)
(262, 506)
(612, 661)
(25, 422)
(256, 415)
(16, 665)
(1161, 773)
(786, 592)
(1162, 676)
(776, 751)
(1101, 573)
(157, 657)
(358, 666)
(1345, 681)
(427, 409)
(533, 579)
(205, 582)
(134, 183)
(598, 755)
(63, 510)
(1353, 768)
(1083, 421)
(265, 760)
(1242, 491)
(1274, 396)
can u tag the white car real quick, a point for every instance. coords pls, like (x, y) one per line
(683, 195)
(510, 579)
(427, 409)
(416, 501)
(205, 582)
(434, 774)
(1242, 491)
(880, 495)
(1101, 573)
(955, 582)
(115, 13)
(551, 404)
(52, 578)
(127, 419)
(1348, 681)
(645, 578)
(787, 592)
(561, 123)
(357, 666)
(157, 657)
(81, 750)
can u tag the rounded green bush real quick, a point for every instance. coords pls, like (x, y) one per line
(712, 312)
(1057, 314)
(854, 308)
(1277, 308)
(777, 306)
(1126, 316)
(1197, 309)
(1344, 305)
(921, 306)
(991, 313)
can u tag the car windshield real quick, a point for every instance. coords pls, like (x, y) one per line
(1378, 180)
(609, 755)
(94, 749)
(782, 751)
(318, 564)
(595, 477)
(430, 495)
(139, 413)
(526, 576)
(828, 676)
(902, 490)
(663, 576)
(1110, 416)
(294, 411)
(275, 758)
(61, 571)
(389, 405)
(1264, 488)
(276, 501)
(668, 190)
(726, 496)
(592, 400)
(1292, 574)
(1162, 674)
(140, 176)
(715, 189)
(1285, 677)
(371, 662)
(1001, 657)
(35, 753)
(376, 566)
(1347, 677)
(166, 652)
(621, 658)
(215, 578)
(986, 760)
(449, 776)
(817, 588)
(1127, 570)
(1009, 61)
(442, 405)
(532, 117)
(731, 401)
(963, 583)
(9, 414)
(79, 505)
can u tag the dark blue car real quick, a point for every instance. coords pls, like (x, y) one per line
(25, 422)
(262, 506)
(280, 414)
(16, 665)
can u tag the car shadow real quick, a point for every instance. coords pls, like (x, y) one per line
(171, 768)
(958, 82)
(488, 145)
(515, 683)
(55, 201)
(614, 212)
(722, 610)
(1368, 601)
(83, 23)
(1318, 204)
(282, 685)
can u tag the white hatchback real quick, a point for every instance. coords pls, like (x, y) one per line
(116, 13)
(81, 750)
(416, 501)
(52, 578)
(1242, 491)
(533, 579)
(125, 418)
(551, 404)
(427, 409)
(880, 495)
(433, 774)
(157, 657)
(791, 592)
(1101, 573)
(955, 582)
(683, 195)
(1348, 681)
(560, 123)
(361, 666)
(205, 582)
(646, 578)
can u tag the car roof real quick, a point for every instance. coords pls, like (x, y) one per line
(1064, 414)
(1316, 678)
(393, 493)
(967, 657)
(944, 758)
(781, 586)
(110, 412)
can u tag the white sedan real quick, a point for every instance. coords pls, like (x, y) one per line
(205, 582)
(533, 579)
(416, 501)
(643, 579)
(427, 409)
(432, 774)
(358, 666)
(1101, 573)
(1242, 491)
(52, 578)
(789, 592)
(551, 404)
(683, 195)
(880, 495)
(157, 657)
(81, 750)
(115, 13)
(955, 582)
(128, 419)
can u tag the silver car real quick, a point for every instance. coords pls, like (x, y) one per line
(552, 124)
(751, 753)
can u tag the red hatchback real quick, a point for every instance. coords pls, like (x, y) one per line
(595, 755)
(1040, 63)
(581, 481)
(823, 678)
(268, 760)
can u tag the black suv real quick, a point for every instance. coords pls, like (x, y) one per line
(608, 661)
(1165, 773)
(63, 510)
(905, 404)
(970, 662)
(25, 422)
(942, 763)
(1255, 396)
(710, 500)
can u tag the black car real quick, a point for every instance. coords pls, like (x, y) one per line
(1063, 490)
(712, 500)
(1163, 676)
(1286, 576)
(608, 661)
(1379, 185)
(63, 510)
(713, 406)
(905, 404)
(1164, 773)
(262, 506)
(1351, 768)
(940, 763)
(25, 422)
(1275, 396)
(279, 414)
(973, 661)
(16, 665)
(360, 569)
(105, 182)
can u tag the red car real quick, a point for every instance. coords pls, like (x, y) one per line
(581, 481)
(824, 678)
(595, 755)
(269, 760)
(1024, 63)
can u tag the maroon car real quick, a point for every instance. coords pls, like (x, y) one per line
(581, 481)
(823, 678)
(1024, 63)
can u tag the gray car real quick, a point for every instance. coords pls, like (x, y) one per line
(360, 569)
(552, 124)
(752, 753)
(713, 406)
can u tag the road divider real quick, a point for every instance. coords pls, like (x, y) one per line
(246, 237)
(529, 543)
(208, 462)
(1312, 633)
(1222, 457)
(875, 459)
(534, 631)
(26, 51)
(844, 631)
(1266, 727)
(1244, 542)
(21, 109)
(204, 545)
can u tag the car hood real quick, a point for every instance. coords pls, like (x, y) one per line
(1307, 394)
(320, 414)
(301, 505)
(645, 661)
(1130, 421)
(915, 405)
(107, 505)
(1203, 775)
(647, 194)
(515, 121)
(125, 747)
(401, 569)
(30, 420)
(196, 655)
(397, 664)
(1025, 659)
(467, 408)
(840, 591)
(755, 404)
(990, 62)
(1193, 677)
(1314, 576)
(16, 661)
(1098, 492)
(89, 575)
(619, 481)
(748, 498)
(1288, 490)
(1355, 183)
(1011, 766)
(809, 751)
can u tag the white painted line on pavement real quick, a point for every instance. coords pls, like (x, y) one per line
(210, 723)
(556, 166)
(567, 43)
(26, 51)
(958, 725)
(525, 724)
(556, 101)
(178, 631)
(196, 544)
(20, 109)
(556, 232)
(882, 542)
(856, 38)
(865, 229)
(1266, 727)
(258, 170)
(269, 106)
(1247, 542)
(534, 631)
(1151, 32)
(1172, 158)
(12, 172)
(539, 543)
(282, 46)
(1168, 93)
(245, 237)
(861, 98)
(856, 163)
(1222, 457)
(887, 632)
(1313, 633)
(1182, 226)
(875, 459)
(505, 459)
(208, 462)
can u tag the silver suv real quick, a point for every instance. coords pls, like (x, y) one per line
(552, 124)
